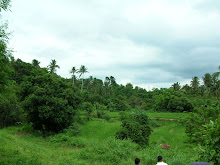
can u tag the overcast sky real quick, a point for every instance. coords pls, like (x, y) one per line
(149, 43)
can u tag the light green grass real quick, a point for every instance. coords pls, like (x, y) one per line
(95, 145)
(168, 115)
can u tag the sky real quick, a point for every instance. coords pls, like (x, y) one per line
(149, 43)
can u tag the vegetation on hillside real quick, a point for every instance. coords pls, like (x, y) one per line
(40, 101)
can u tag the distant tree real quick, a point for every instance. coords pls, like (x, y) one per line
(52, 67)
(81, 72)
(208, 81)
(195, 84)
(176, 86)
(216, 74)
(21, 70)
(35, 63)
(73, 71)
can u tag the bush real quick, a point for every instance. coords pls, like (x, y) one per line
(116, 104)
(49, 102)
(209, 146)
(135, 127)
(201, 116)
(86, 106)
(10, 111)
(172, 103)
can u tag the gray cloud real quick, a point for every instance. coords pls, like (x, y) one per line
(145, 42)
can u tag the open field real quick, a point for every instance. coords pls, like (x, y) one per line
(95, 145)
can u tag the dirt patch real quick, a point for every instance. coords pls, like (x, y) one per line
(164, 119)
(22, 134)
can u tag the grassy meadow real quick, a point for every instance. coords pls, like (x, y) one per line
(96, 145)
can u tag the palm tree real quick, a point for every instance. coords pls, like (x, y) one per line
(35, 63)
(73, 71)
(176, 86)
(195, 84)
(81, 72)
(52, 67)
(216, 83)
(207, 80)
(216, 74)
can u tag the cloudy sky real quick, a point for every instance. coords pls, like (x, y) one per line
(149, 43)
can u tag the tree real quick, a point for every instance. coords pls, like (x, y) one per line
(5, 53)
(5, 4)
(207, 80)
(73, 71)
(195, 84)
(81, 72)
(35, 63)
(49, 102)
(216, 84)
(176, 86)
(52, 67)
(216, 74)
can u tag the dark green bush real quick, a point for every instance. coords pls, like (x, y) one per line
(172, 102)
(87, 106)
(10, 110)
(135, 127)
(201, 116)
(209, 146)
(117, 104)
(49, 102)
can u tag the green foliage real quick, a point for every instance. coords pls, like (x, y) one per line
(49, 102)
(5, 4)
(21, 70)
(135, 127)
(117, 104)
(10, 110)
(5, 53)
(201, 116)
(86, 106)
(172, 102)
(209, 146)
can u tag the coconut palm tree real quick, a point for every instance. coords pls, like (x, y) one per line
(195, 84)
(208, 81)
(52, 67)
(73, 71)
(81, 72)
(35, 63)
(216, 74)
(176, 86)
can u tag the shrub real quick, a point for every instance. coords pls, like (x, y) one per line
(116, 104)
(49, 102)
(172, 103)
(195, 121)
(86, 106)
(10, 111)
(135, 127)
(209, 146)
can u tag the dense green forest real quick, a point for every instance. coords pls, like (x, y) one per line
(38, 101)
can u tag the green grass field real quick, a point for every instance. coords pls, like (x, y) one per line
(94, 145)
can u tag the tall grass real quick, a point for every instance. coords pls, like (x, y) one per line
(94, 145)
